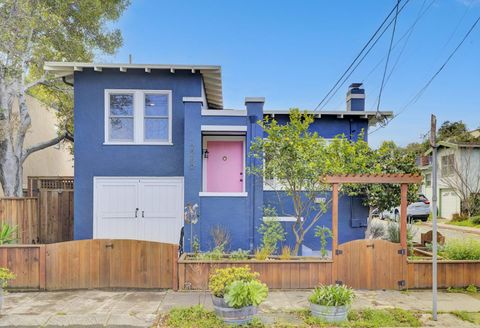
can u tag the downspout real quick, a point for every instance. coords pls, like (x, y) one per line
(253, 120)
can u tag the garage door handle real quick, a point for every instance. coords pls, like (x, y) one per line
(136, 212)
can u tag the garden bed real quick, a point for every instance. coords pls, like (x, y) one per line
(297, 272)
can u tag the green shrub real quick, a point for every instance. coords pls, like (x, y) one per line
(215, 254)
(245, 293)
(222, 278)
(462, 249)
(475, 220)
(393, 233)
(272, 231)
(261, 254)
(332, 295)
(5, 276)
(239, 255)
(323, 233)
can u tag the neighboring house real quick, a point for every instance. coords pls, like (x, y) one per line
(153, 139)
(52, 161)
(458, 175)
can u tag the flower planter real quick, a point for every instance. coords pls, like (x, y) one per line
(231, 315)
(329, 313)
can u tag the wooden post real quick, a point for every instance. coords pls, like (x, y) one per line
(334, 228)
(42, 262)
(403, 215)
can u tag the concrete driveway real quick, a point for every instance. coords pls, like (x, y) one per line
(97, 308)
(449, 233)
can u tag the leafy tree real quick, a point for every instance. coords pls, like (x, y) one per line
(296, 158)
(454, 131)
(32, 32)
(390, 158)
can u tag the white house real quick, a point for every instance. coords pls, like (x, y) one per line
(458, 175)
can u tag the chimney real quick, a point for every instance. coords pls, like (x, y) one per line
(356, 97)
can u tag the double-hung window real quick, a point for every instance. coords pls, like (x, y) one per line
(138, 117)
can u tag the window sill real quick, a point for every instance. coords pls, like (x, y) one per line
(138, 144)
(222, 194)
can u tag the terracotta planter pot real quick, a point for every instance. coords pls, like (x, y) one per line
(329, 313)
(231, 315)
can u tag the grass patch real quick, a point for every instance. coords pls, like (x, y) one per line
(473, 317)
(370, 318)
(464, 223)
(198, 317)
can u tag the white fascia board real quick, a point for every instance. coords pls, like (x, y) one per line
(223, 128)
(223, 112)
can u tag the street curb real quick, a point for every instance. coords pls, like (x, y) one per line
(452, 227)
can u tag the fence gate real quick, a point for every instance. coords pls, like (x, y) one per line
(371, 264)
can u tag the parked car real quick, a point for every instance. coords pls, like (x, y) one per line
(419, 210)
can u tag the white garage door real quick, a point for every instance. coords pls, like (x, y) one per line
(138, 208)
(450, 203)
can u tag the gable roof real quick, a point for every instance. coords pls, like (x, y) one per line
(212, 75)
(454, 145)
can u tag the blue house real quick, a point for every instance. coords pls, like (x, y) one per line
(151, 140)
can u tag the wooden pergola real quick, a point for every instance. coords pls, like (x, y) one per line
(402, 179)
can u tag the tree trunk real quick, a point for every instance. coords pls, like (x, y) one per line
(11, 171)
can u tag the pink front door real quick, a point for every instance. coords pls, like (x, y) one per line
(225, 166)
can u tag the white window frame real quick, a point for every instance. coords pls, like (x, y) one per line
(138, 116)
(204, 193)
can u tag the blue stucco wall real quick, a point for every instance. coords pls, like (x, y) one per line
(331, 126)
(352, 218)
(237, 215)
(92, 158)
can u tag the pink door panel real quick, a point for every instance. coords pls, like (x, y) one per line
(225, 166)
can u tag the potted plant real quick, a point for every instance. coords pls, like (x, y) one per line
(236, 294)
(330, 303)
(5, 276)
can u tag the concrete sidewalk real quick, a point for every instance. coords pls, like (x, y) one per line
(96, 308)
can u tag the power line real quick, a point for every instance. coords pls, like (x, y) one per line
(361, 60)
(407, 34)
(388, 57)
(420, 93)
(358, 55)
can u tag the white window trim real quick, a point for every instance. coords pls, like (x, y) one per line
(205, 139)
(281, 218)
(222, 194)
(138, 117)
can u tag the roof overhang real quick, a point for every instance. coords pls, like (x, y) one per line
(373, 117)
(454, 145)
(212, 75)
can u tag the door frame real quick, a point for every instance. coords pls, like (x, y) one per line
(99, 178)
(205, 140)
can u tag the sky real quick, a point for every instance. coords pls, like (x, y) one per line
(292, 53)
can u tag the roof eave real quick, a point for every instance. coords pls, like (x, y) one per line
(212, 73)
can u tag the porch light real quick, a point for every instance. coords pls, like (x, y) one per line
(205, 153)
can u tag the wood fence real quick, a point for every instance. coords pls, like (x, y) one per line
(361, 264)
(450, 274)
(46, 216)
(277, 274)
(23, 213)
(55, 215)
(86, 264)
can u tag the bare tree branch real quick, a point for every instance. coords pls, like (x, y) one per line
(45, 144)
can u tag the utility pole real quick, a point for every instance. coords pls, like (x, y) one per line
(433, 144)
